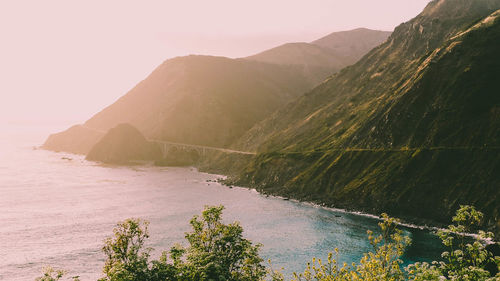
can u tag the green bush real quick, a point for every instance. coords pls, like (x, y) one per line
(52, 274)
(218, 252)
(383, 263)
(465, 260)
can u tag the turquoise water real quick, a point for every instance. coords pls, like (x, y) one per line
(56, 209)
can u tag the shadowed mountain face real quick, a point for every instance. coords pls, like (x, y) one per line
(411, 129)
(203, 100)
(208, 100)
(122, 144)
(196, 100)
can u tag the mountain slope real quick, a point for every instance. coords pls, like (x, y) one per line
(327, 55)
(411, 129)
(322, 116)
(199, 100)
(203, 100)
(317, 62)
(302, 54)
(207, 100)
(353, 44)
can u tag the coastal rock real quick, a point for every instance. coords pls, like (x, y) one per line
(124, 144)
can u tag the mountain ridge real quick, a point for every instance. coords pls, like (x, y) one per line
(354, 43)
(395, 58)
(202, 100)
(327, 55)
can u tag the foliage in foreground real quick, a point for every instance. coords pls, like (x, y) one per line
(52, 274)
(218, 252)
(465, 260)
(383, 263)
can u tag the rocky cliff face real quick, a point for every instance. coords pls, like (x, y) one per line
(411, 129)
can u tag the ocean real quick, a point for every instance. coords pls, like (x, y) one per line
(57, 208)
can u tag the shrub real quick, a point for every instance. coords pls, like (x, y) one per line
(465, 260)
(218, 252)
(383, 263)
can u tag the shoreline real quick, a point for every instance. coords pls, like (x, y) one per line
(410, 222)
(401, 222)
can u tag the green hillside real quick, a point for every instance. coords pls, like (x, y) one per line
(411, 129)
(326, 115)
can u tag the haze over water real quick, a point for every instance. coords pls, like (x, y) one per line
(55, 211)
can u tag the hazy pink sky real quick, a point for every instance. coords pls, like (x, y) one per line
(62, 61)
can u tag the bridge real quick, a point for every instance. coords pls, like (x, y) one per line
(165, 146)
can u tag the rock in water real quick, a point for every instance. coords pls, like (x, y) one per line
(123, 144)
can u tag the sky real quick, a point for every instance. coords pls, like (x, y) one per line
(61, 61)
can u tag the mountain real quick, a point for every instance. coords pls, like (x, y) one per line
(359, 88)
(411, 129)
(204, 100)
(317, 62)
(353, 44)
(122, 144)
(327, 55)
(198, 100)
